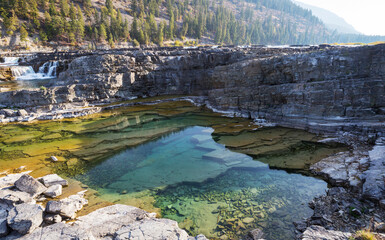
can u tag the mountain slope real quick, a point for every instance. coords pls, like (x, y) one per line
(95, 23)
(331, 20)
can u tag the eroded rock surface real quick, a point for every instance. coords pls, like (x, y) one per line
(24, 218)
(67, 207)
(30, 185)
(320, 89)
(151, 229)
(319, 233)
(52, 179)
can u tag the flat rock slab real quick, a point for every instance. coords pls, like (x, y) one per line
(67, 207)
(30, 185)
(320, 233)
(152, 229)
(54, 191)
(10, 179)
(199, 139)
(227, 157)
(53, 179)
(60, 231)
(25, 218)
(107, 220)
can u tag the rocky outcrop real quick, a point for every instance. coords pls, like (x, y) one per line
(320, 89)
(319, 233)
(22, 218)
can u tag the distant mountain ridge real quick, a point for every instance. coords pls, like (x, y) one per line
(331, 20)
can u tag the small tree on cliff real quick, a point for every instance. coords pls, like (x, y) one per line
(23, 33)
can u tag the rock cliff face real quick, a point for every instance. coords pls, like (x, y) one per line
(316, 88)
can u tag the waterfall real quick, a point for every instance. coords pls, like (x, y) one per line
(46, 71)
(10, 61)
(20, 71)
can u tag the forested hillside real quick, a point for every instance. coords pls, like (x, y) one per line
(145, 22)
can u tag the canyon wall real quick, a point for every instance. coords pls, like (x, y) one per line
(326, 89)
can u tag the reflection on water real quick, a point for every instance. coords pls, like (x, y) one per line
(208, 172)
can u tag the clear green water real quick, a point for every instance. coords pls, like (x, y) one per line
(207, 188)
(210, 173)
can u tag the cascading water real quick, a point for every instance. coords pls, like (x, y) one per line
(46, 71)
(10, 61)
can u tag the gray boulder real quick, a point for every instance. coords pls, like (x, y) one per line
(30, 185)
(3, 222)
(152, 229)
(53, 191)
(10, 198)
(67, 207)
(25, 218)
(10, 179)
(58, 231)
(53, 179)
(106, 221)
(320, 233)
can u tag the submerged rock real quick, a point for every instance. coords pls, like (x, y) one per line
(30, 185)
(24, 218)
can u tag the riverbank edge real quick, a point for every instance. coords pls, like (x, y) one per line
(353, 184)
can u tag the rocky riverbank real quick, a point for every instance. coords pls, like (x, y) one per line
(355, 201)
(337, 91)
(26, 212)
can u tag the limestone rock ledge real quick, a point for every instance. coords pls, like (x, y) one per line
(113, 222)
(22, 218)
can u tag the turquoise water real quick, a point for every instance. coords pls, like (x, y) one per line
(206, 187)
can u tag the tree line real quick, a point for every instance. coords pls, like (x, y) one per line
(156, 21)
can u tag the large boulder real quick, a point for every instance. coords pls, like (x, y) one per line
(3, 222)
(58, 231)
(106, 221)
(30, 185)
(25, 218)
(10, 198)
(53, 179)
(67, 207)
(320, 233)
(152, 229)
(10, 179)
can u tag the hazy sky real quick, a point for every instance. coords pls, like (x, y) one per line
(366, 16)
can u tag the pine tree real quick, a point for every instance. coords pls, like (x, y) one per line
(23, 33)
(160, 34)
(102, 32)
(64, 8)
(111, 41)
